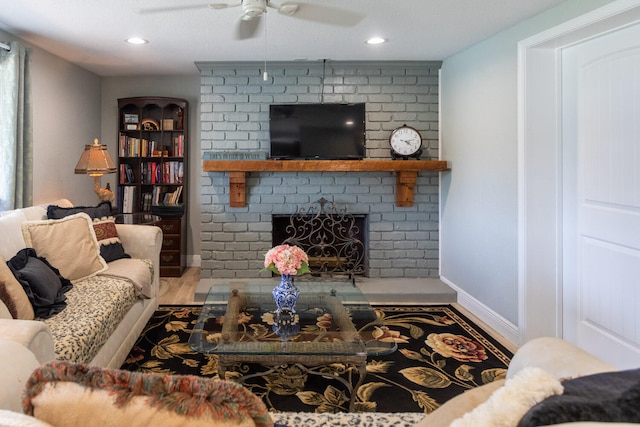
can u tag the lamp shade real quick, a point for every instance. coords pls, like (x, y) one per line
(95, 160)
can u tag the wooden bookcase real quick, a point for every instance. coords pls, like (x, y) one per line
(153, 142)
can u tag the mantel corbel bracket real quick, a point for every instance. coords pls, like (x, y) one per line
(237, 189)
(405, 184)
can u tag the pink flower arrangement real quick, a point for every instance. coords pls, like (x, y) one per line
(285, 259)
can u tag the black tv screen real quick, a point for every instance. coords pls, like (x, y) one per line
(317, 131)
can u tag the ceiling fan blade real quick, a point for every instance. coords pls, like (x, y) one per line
(247, 28)
(174, 8)
(324, 14)
(191, 7)
(225, 5)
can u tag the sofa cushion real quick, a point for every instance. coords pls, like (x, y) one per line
(605, 397)
(103, 209)
(110, 245)
(68, 395)
(13, 295)
(42, 283)
(138, 271)
(95, 308)
(509, 403)
(11, 232)
(69, 244)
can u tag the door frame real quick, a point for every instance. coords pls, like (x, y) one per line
(540, 146)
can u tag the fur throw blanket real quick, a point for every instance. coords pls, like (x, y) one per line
(509, 403)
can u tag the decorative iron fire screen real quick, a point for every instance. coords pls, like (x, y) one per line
(332, 238)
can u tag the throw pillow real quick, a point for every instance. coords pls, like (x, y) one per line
(110, 245)
(42, 283)
(12, 294)
(606, 397)
(11, 232)
(69, 244)
(68, 395)
(57, 212)
(510, 402)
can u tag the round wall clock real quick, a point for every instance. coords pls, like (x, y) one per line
(405, 142)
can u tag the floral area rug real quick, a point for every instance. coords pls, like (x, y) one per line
(441, 354)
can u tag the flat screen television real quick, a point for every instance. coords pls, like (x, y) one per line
(317, 131)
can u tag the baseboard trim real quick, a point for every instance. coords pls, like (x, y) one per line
(492, 319)
(193, 261)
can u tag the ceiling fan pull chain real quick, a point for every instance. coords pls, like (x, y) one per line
(265, 75)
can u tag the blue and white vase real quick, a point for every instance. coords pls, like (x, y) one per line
(286, 294)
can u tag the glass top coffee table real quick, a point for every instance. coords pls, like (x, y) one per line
(332, 323)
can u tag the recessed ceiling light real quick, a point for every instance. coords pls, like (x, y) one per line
(136, 40)
(376, 40)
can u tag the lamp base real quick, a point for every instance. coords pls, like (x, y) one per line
(104, 194)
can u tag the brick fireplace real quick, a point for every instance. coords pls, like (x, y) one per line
(401, 241)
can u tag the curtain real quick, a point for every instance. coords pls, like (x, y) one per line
(16, 128)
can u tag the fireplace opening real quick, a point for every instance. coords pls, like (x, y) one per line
(333, 239)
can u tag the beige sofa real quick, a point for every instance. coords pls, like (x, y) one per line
(143, 244)
(555, 356)
(560, 359)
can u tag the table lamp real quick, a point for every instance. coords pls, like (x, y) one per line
(95, 161)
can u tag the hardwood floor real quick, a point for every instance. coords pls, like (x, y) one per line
(181, 290)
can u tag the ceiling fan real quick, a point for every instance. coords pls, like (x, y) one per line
(254, 10)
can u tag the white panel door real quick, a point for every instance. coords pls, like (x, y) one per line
(601, 196)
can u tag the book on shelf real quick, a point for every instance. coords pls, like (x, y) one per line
(177, 146)
(128, 146)
(174, 197)
(126, 174)
(147, 201)
(149, 172)
(162, 196)
(128, 199)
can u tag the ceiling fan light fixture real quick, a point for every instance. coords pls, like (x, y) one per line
(136, 40)
(253, 8)
(376, 40)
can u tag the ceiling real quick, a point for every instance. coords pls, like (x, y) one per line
(91, 33)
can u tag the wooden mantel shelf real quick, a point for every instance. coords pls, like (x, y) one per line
(406, 172)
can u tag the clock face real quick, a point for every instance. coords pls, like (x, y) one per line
(405, 141)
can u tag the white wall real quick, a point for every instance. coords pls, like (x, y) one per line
(183, 86)
(479, 196)
(66, 116)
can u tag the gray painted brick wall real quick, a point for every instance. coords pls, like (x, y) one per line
(403, 241)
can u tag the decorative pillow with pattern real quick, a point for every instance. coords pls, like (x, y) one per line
(69, 395)
(110, 245)
(69, 244)
(102, 210)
